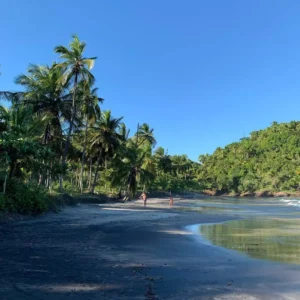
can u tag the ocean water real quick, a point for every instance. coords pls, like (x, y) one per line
(266, 228)
(243, 207)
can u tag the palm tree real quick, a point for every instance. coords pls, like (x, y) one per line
(13, 97)
(163, 161)
(124, 132)
(137, 163)
(20, 130)
(77, 68)
(46, 94)
(91, 111)
(144, 142)
(133, 165)
(144, 135)
(105, 140)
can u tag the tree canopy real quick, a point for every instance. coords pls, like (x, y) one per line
(268, 159)
(55, 137)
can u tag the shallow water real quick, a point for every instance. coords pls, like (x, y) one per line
(243, 207)
(268, 228)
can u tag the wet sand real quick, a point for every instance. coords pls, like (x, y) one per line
(123, 251)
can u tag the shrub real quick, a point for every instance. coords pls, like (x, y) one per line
(57, 201)
(24, 199)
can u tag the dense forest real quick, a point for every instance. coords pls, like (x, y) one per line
(267, 160)
(54, 138)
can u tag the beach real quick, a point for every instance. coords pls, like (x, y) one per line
(126, 251)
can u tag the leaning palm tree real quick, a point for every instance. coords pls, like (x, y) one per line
(105, 139)
(77, 68)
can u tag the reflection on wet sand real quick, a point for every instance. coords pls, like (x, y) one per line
(206, 208)
(273, 239)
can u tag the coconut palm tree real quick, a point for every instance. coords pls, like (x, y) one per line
(13, 97)
(105, 140)
(91, 111)
(77, 68)
(124, 132)
(136, 163)
(163, 161)
(133, 165)
(46, 94)
(20, 132)
(144, 135)
(138, 157)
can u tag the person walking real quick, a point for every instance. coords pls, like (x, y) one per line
(144, 197)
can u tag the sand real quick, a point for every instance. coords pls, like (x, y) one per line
(125, 251)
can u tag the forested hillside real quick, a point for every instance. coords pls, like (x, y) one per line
(268, 159)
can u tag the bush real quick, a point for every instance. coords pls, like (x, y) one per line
(59, 200)
(24, 199)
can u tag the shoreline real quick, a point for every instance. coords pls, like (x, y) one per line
(123, 251)
(256, 194)
(96, 199)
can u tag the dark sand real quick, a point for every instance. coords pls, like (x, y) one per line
(123, 251)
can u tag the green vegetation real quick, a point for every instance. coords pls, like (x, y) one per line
(55, 138)
(268, 160)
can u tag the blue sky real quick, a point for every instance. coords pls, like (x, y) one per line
(202, 73)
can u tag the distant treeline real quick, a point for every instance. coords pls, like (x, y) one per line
(267, 160)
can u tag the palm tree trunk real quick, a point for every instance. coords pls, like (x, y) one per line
(47, 133)
(97, 171)
(61, 183)
(71, 124)
(40, 178)
(4, 184)
(120, 192)
(50, 180)
(12, 169)
(90, 174)
(83, 154)
(71, 185)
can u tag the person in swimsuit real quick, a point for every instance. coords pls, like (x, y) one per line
(171, 202)
(144, 197)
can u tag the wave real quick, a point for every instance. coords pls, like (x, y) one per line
(291, 202)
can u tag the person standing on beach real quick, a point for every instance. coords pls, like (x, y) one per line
(144, 197)
(171, 202)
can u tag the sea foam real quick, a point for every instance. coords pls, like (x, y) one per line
(291, 202)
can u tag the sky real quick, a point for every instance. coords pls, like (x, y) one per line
(202, 73)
